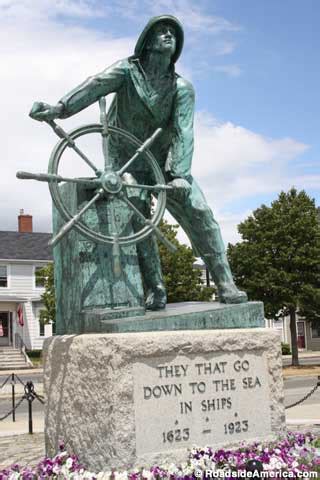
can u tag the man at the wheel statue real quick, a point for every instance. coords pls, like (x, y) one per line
(149, 95)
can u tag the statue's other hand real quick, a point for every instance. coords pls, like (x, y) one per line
(181, 184)
(45, 112)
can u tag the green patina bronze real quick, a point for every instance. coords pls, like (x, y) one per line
(154, 104)
(181, 316)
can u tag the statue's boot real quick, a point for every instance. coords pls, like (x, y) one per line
(219, 269)
(150, 267)
(148, 251)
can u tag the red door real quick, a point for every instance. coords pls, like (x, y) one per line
(4, 328)
(301, 332)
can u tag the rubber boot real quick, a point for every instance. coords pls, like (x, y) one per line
(220, 271)
(148, 255)
(150, 267)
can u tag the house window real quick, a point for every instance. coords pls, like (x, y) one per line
(3, 276)
(315, 329)
(41, 329)
(39, 277)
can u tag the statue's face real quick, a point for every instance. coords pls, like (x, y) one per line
(163, 38)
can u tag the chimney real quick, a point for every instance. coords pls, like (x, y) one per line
(24, 222)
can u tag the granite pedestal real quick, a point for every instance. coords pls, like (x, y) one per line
(122, 400)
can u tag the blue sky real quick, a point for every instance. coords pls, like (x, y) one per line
(254, 65)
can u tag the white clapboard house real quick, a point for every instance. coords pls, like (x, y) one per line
(22, 254)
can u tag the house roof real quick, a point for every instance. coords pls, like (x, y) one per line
(25, 246)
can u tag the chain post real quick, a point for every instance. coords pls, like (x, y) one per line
(30, 396)
(13, 395)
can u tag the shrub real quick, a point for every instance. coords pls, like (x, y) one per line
(285, 347)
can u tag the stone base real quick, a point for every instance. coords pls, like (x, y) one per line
(125, 400)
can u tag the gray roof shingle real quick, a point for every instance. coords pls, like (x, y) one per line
(25, 246)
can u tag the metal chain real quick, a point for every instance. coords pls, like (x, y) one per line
(39, 397)
(22, 383)
(15, 408)
(306, 396)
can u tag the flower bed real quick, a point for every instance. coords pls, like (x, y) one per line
(295, 456)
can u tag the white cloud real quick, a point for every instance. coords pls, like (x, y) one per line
(32, 10)
(192, 15)
(233, 164)
(44, 60)
(230, 70)
(224, 47)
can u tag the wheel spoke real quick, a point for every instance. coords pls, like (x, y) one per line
(71, 143)
(148, 222)
(52, 177)
(156, 187)
(116, 257)
(104, 133)
(65, 229)
(140, 150)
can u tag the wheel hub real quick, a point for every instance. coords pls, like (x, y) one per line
(111, 182)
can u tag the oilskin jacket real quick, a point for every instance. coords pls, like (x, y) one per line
(140, 110)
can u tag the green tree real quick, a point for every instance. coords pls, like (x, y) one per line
(277, 260)
(182, 280)
(48, 313)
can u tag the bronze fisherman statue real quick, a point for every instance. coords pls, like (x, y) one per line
(149, 94)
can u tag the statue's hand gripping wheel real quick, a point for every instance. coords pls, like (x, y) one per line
(107, 184)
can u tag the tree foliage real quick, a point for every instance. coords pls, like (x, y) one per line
(182, 280)
(278, 259)
(48, 313)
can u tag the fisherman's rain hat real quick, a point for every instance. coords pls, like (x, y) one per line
(140, 45)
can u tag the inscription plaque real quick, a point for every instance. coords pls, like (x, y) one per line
(200, 400)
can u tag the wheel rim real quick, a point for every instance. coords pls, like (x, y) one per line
(80, 227)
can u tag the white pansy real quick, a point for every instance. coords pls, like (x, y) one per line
(56, 469)
(187, 469)
(172, 469)
(104, 476)
(121, 475)
(147, 474)
(69, 463)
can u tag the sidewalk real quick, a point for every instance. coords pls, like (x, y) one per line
(21, 426)
(305, 354)
(22, 449)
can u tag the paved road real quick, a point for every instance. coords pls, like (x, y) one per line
(22, 410)
(298, 387)
(25, 377)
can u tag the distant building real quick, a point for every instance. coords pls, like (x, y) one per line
(22, 255)
(308, 334)
(205, 275)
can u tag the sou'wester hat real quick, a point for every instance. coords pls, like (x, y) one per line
(140, 45)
